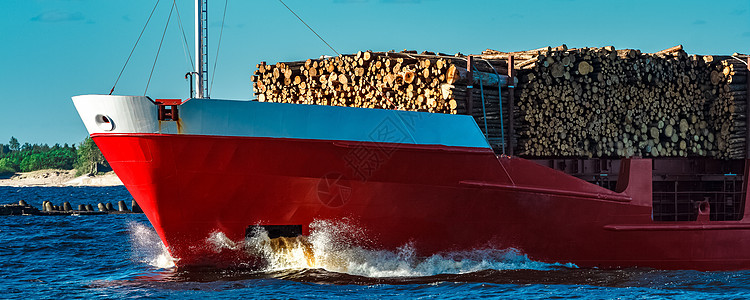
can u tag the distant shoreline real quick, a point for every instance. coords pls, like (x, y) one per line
(46, 178)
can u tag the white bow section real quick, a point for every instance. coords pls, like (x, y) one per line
(117, 114)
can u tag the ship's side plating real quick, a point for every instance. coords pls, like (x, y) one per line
(404, 177)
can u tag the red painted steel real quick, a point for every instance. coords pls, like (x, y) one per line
(747, 115)
(511, 104)
(169, 101)
(438, 198)
(168, 110)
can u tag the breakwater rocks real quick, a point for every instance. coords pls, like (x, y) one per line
(65, 209)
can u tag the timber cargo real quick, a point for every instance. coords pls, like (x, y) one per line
(585, 102)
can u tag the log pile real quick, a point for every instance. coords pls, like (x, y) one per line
(729, 111)
(603, 102)
(406, 80)
(390, 80)
(585, 102)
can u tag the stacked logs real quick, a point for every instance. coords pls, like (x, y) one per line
(729, 111)
(585, 102)
(406, 80)
(603, 102)
(390, 80)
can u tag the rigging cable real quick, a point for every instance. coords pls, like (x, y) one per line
(737, 58)
(218, 46)
(484, 111)
(372, 85)
(136, 44)
(159, 50)
(308, 27)
(500, 100)
(185, 46)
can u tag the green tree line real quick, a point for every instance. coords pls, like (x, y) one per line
(85, 157)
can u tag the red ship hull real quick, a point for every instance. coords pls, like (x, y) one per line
(437, 198)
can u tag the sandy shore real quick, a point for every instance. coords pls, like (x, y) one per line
(59, 178)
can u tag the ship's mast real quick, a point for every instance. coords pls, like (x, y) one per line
(201, 48)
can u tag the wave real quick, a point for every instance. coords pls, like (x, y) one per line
(340, 246)
(147, 247)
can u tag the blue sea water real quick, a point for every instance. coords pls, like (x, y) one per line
(120, 256)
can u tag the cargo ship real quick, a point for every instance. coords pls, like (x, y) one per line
(431, 180)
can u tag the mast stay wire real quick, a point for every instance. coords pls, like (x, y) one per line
(372, 85)
(185, 46)
(159, 49)
(218, 45)
(134, 46)
(308, 27)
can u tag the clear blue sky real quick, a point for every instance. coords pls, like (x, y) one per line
(55, 49)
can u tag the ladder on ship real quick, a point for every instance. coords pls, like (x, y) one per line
(201, 46)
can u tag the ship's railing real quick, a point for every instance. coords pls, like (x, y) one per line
(679, 185)
(680, 200)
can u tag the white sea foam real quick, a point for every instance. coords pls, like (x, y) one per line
(148, 248)
(219, 241)
(338, 246)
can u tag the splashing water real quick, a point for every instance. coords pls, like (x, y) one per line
(147, 246)
(219, 241)
(339, 246)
